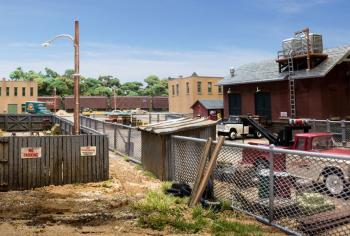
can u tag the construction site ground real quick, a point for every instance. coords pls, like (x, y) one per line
(92, 209)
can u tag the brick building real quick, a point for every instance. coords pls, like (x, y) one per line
(263, 89)
(14, 94)
(185, 91)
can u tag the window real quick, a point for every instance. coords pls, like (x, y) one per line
(187, 88)
(173, 90)
(219, 89)
(15, 91)
(177, 90)
(209, 87)
(199, 87)
(23, 91)
(31, 91)
(7, 91)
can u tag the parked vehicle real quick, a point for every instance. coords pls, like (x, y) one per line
(234, 128)
(34, 107)
(333, 174)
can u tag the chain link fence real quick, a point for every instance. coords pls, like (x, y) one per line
(122, 138)
(339, 129)
(299, 192)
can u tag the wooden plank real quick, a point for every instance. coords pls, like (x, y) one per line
(69, 159)
(81, 161)
(20, 163)
(47, 162)
(97, 158)
(2, 147)
(77, 160)
(52, 162)
(105, 157)
(72, 162)
(33, 162)
(94, 159)
(13, 165)
(60, 155)
(64, 160)
(89, 159)
(100, 156)
(201, 167)
(206, 175)
(42, 161)
(26, 170)
(85, 161)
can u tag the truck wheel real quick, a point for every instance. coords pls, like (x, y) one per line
(233, 134)
(334, 183)
(257, 134)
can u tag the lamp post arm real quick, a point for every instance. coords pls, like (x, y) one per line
(67, 36)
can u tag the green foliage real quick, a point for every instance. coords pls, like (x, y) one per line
(159, 211)
(224, 227)
(104, 85)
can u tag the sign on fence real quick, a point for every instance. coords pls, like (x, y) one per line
(88, 151)
(30, 152)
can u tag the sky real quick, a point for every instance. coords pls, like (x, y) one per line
(133, 39)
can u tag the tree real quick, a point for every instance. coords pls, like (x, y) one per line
(109, 81)
(155, 86)
(18, 74)
(131, 88)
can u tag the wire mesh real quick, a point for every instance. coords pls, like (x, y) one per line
(186, 157)
(303, 193)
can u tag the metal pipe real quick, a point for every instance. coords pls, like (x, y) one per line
(271, 184)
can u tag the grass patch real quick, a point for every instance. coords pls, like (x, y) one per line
(224, 227)
(126, 158)
(138, 167)
(159, 211)
(149, 174)
(108, 183)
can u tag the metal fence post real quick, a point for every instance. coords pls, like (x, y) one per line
(343, 133)
(149, 118)
(129, 141)
(314, 125)
(271, 184)
(328, 126)
(103, 127)
(158, 118)
(95, 124)
(115, 136)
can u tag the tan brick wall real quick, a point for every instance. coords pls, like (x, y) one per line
(182, 102)
(19, 99)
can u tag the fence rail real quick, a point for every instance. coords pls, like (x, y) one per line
(299, 192)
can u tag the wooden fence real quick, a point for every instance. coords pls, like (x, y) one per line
(29, 162)
(23, 122)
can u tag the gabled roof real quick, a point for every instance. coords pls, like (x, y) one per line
(211, 104)
(266, 71)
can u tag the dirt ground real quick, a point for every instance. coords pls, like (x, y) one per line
(93, 208)
(102, 208)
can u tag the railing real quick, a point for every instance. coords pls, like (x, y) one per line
(298, 192)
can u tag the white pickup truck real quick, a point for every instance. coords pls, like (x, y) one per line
(234, 128)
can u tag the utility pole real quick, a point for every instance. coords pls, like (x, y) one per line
(76, 80)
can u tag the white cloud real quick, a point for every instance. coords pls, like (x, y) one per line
(133, 63)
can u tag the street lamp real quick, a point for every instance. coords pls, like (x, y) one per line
(76, 75)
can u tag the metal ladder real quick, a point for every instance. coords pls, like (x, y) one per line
(291, 84)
